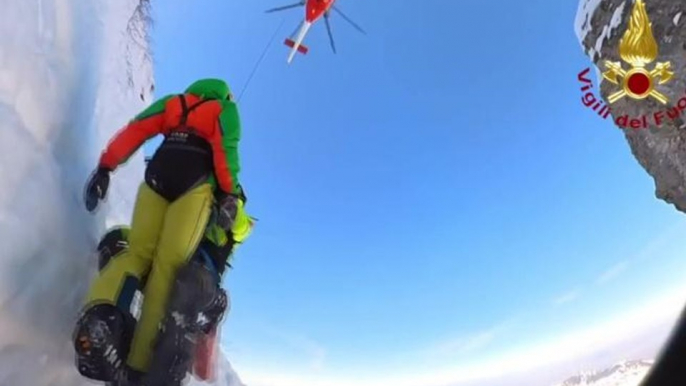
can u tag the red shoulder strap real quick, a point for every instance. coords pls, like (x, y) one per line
(185, 110)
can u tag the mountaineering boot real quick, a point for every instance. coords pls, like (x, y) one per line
(101, 341)
(209, 318)
(204, 359)
(195, 292)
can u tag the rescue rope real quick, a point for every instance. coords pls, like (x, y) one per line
(259, 61)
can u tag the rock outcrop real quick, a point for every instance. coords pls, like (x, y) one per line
(660, 146)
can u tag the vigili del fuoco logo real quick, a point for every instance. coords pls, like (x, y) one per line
(638, 49)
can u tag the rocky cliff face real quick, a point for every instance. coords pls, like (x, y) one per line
(659, 140)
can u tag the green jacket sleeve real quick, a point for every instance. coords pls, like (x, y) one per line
(231, 135)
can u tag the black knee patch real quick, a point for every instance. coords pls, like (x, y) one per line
(112, 244)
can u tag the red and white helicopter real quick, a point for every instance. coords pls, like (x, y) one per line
(314, 10)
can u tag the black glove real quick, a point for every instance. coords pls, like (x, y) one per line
(226, 209)
(96, 188)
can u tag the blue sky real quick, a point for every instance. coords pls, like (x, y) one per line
(433, 194)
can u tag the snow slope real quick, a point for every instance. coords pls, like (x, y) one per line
(72, 72)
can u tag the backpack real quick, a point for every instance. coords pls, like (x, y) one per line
(183, 161)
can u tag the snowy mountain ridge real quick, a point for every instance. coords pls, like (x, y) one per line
(625, 373)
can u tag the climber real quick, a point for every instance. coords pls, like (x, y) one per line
(214, 254)
(195, 169)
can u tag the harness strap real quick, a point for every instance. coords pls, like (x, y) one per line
(185, 110)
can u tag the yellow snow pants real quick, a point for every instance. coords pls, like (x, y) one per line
(162, 238)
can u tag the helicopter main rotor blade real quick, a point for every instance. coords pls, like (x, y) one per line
(285, 7)
(357, 27)
(328, 30)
